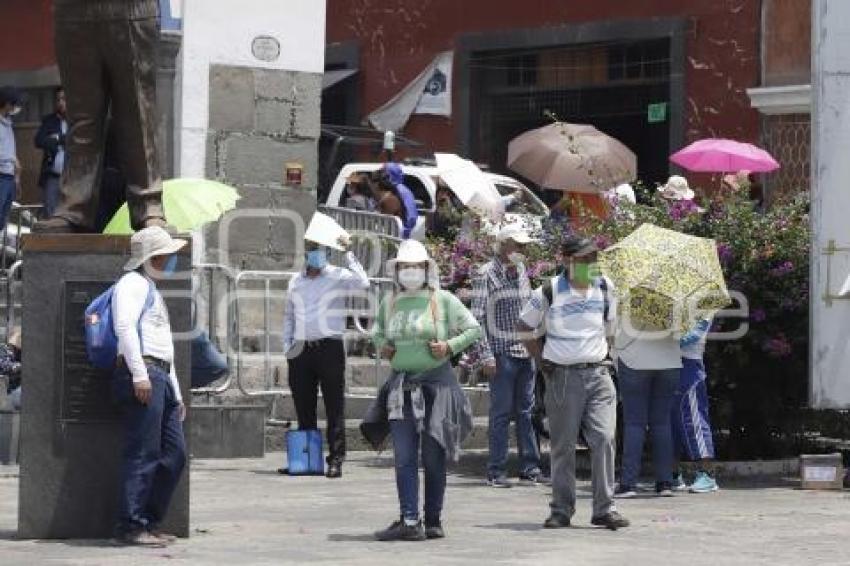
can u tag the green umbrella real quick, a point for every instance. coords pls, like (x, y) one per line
(188, 204)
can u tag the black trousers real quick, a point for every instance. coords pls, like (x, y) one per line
(321, 366)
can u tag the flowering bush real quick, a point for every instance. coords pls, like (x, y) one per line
(757, 382)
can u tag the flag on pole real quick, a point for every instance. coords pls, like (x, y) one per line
(429, 93)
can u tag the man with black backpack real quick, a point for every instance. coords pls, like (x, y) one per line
(146, 385)
(575, 311)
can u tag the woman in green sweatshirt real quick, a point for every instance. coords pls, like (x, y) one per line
(419, 329)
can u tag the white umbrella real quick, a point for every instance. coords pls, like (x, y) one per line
(470, 185)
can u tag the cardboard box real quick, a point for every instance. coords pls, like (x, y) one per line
(822, 471)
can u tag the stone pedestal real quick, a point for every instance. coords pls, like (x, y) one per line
(71, 432)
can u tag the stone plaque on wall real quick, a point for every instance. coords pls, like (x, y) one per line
(86, 393)
(266, 48)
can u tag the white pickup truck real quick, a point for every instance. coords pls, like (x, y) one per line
(422, 182)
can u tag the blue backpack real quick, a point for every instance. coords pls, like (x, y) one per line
(101, 340)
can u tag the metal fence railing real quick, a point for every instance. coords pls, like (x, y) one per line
(363, 221)
(267, 288)
(19, 223)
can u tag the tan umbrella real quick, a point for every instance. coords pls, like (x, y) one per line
(572, 157)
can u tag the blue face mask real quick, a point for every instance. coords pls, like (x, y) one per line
(317, 259)
(170, 265)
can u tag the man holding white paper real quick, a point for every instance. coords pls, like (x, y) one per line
(314, 325)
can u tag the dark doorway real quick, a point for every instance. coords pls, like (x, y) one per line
(608, 85)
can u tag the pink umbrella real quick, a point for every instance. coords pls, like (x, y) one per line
(724, 156)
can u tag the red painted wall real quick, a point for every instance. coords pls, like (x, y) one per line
(398, 38)
(26, 42)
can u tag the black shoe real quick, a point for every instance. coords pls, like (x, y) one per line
(556, 521)
(664, 489)
(501, 482)
(334, 471)
(399, 530)
(611, 520)
(434, 530)
(535, 478)
(624, 491)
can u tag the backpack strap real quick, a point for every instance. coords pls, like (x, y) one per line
(603, 286)
(548, 291)
(149, 300)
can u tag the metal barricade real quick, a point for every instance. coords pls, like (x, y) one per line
(21, 218)
(212, 319)
(266, 277)
(364, 221)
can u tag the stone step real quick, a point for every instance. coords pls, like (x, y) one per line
(356, 404)
(275, 436)
(473, 458)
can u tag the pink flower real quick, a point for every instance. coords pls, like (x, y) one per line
(778, 347)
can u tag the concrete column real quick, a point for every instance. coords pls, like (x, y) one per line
(830, 317)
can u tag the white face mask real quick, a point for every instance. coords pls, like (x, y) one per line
(412, 278)
(516, 258)
(15, 111)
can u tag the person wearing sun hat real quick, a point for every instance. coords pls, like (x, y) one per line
(145, 384)
(499, 293)
(313, 329)
(419, 328)
(676, 188)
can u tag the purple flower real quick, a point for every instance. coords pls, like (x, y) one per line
(724, 251)
(778, 347)
(680, 209)
(540, 268)
(758, 315)
(783, 269)
(602, 241)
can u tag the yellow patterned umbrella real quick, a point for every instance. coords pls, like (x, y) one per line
(665, 279)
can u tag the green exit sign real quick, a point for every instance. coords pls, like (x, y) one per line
(657, 113)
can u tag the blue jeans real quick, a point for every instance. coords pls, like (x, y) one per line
(208, 364)
(647, 400)
(512, 395)
(8, 187)
(52, 185)
(406, 445)
(154, 451)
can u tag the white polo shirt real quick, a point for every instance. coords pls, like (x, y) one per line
(576, 328)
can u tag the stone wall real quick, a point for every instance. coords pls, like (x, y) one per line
(260, 120)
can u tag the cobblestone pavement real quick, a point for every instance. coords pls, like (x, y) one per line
(243, 512)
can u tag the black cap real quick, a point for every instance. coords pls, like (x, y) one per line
(576, 246)
(11, 95)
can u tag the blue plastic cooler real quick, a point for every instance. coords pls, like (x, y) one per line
(304, 453)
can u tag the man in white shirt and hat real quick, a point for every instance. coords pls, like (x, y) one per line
(314, 325)
(145, 383)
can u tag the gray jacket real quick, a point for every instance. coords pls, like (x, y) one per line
(448, 413)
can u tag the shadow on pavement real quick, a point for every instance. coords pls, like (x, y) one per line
(352, 538)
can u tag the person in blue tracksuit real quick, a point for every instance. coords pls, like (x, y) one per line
(691, 424)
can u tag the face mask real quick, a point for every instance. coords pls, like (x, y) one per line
(170, 265)
(412, 278)
(15, 111)
(317, 259)
(584, 272)
(516, 258)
